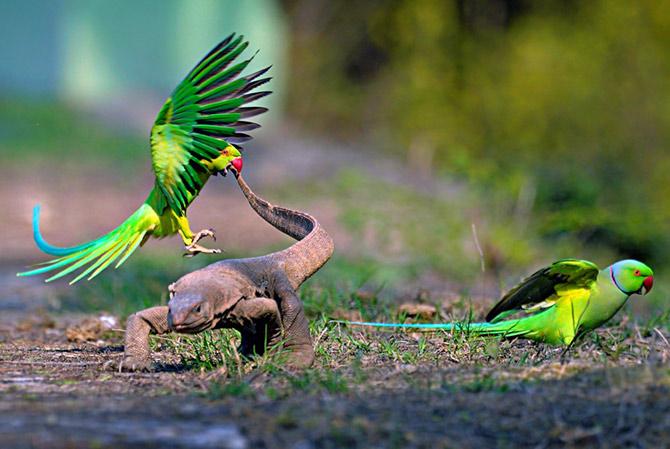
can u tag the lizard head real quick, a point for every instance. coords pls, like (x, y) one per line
(199, 300)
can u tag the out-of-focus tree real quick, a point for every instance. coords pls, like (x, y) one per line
(559, 107)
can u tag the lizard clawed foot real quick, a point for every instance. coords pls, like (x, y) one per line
(300, 356)
(194, 248)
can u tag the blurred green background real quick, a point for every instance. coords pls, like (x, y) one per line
(447, 145)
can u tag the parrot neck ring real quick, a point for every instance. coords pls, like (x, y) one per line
(647, 284)
(645, 288)
(616, 283)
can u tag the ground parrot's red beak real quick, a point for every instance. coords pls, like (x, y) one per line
(237, 164)
(647, 284)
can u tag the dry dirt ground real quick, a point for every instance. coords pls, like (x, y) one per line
(367, 390)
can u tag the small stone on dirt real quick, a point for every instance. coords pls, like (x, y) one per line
(91, 329)
(418, 310)
(38, 321)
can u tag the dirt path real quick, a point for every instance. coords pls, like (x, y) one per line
(60, 396)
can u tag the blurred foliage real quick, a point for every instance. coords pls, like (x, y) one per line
(560, 108)
(397, 234)
(31, 129)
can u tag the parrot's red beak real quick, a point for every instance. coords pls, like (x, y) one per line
(647, 284)
(237, 164)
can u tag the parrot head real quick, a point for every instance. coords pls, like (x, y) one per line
(632, 276)
(231, 159)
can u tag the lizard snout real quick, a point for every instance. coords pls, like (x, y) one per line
(188, 315)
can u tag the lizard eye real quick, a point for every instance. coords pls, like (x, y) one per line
(197, 309)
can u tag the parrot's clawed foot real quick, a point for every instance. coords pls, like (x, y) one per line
(194, 248)
(564, 354)
(202, 234)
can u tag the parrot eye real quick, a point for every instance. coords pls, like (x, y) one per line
(637, 272)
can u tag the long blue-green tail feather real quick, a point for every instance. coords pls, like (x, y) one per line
(98, 254)
(435, 326)
(511, 328)
(51, 249)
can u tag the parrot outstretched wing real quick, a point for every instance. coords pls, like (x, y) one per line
(202, 117)
(544, 287)
(196, 125)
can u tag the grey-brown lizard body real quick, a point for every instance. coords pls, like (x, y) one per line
(256, 296)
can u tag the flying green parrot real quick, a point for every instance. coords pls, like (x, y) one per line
(560, 302)
(193, 137)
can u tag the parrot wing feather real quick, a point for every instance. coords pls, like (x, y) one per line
(543, 288)
(201, 118)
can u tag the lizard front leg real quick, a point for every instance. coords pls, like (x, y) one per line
(259, 322)
(297, 339)
(137, 355)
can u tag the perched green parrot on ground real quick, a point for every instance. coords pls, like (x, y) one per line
(192, 138)
(562, 302)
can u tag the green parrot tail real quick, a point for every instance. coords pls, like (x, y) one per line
(98, 254)
(50, 249)
(512, 328)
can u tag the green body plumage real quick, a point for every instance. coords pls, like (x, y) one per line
(565, 300)
(193, 138)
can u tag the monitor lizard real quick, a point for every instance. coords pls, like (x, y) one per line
(257, 296)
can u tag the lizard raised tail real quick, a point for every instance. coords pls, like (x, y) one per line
(256, 296)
